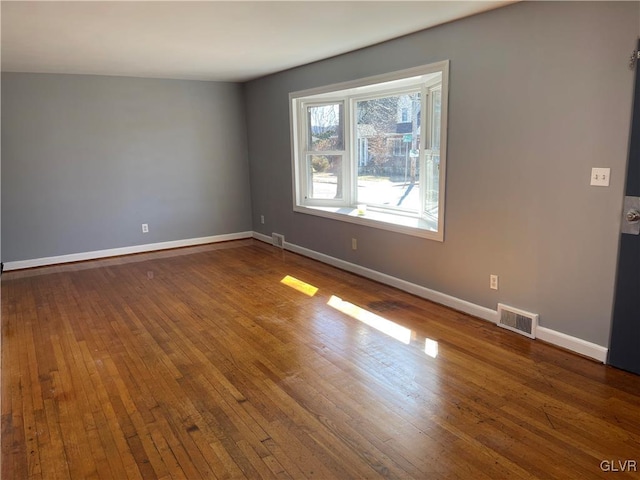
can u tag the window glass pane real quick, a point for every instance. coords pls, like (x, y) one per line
(326, 127)
(432, 160)
(325, 172)
(388, 134)
(435, 119)
(432, 184)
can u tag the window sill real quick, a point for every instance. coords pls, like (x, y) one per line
(408, 225)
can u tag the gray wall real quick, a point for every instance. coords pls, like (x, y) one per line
(539, 93)
(87, 159)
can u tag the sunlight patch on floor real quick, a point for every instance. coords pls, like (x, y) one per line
(381, 324)
(299, 285)
(431, 347)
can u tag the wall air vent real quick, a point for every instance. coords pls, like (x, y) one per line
(519, 321)
(277, 240)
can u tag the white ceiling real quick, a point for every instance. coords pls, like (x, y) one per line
(223, 41)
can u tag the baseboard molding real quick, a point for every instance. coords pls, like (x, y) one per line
(114, 252)
(553, 337)
(575, 344)
(262, 237)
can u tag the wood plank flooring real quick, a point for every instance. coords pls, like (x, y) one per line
(203, 363)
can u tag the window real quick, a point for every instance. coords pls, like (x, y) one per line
(398, 146)
(372, 151)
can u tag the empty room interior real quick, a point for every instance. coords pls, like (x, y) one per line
(320, 239)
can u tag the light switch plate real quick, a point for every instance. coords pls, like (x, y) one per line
(600, 177)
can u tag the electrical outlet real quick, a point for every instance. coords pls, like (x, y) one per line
(262, 219)
(145, 228)
(493, 282)
(600, 177)
(354, 244)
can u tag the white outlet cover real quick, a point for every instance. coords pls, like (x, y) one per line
(600, 177)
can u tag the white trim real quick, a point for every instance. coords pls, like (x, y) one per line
(114, 252)
(409, 225)
(263, 238)
(400, 77)
(553, 337)
(444, 129)
(574, 344)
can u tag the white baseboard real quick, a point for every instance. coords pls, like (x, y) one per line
(574, 344)
(553, 337)
(114, 252)
(262, 237)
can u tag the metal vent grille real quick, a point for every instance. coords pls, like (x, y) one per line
(519, 321)
(277, 240)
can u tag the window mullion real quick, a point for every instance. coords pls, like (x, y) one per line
(351, 151)
(301, 165)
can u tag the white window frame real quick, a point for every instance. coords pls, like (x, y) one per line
(346, 209)
(304, 152)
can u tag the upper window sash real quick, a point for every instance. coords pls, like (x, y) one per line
(324, 126)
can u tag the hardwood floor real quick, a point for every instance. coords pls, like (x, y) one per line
(203, 363)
